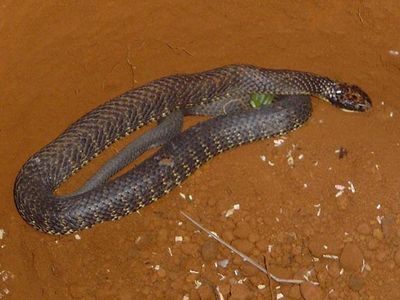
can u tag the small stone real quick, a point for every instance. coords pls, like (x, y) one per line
(351, 257)
(205, 292)
(209, 250)
(310, 291)
(377, 233)
(242, 230)
(223, 263)
(243, 246)
(373, 244)
(356, 282)
(240, 292)
(334, 270)
(228, 236)
(364, 229)
(254, 237)
(294, 292)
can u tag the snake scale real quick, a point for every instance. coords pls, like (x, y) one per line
(45, 170)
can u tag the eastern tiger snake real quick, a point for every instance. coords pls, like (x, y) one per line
(178, 158)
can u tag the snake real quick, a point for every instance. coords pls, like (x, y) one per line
(179, 157)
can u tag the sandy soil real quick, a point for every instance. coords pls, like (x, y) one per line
(303, 210)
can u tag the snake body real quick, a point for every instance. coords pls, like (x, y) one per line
(45, 170)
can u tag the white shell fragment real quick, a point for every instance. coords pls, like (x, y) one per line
(278, 142)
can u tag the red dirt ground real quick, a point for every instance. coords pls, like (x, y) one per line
(59, 59)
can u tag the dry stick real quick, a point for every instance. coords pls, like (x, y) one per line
(269, 278)
(132, 67)
(242, 255)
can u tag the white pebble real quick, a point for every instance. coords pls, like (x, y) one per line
(261, 286)
(223, 263)
(278, 142)
(339, 187)
(351, 187)
(197, 284)
(229, 212)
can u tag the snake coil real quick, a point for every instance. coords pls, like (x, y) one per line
(92, 133)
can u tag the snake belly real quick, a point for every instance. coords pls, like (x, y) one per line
(45, 170)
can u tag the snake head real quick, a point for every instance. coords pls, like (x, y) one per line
(349, 98)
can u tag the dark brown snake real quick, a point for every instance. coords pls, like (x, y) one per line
(91, 134)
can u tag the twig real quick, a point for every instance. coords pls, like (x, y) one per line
(132, 67)
(269, 278)
(359, 16)
(174, 48)
(242, 255)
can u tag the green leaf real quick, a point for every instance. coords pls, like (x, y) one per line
(259, 99)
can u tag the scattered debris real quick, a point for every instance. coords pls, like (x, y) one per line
(341, 152)
(223, 263)
(351, 187)
(230, 211)
(278, 142)
(242, 255)
(290, 159)
(197, 284)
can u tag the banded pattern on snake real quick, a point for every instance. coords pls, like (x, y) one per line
(87, 137)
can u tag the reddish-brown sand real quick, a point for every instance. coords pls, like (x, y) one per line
(60, 59)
